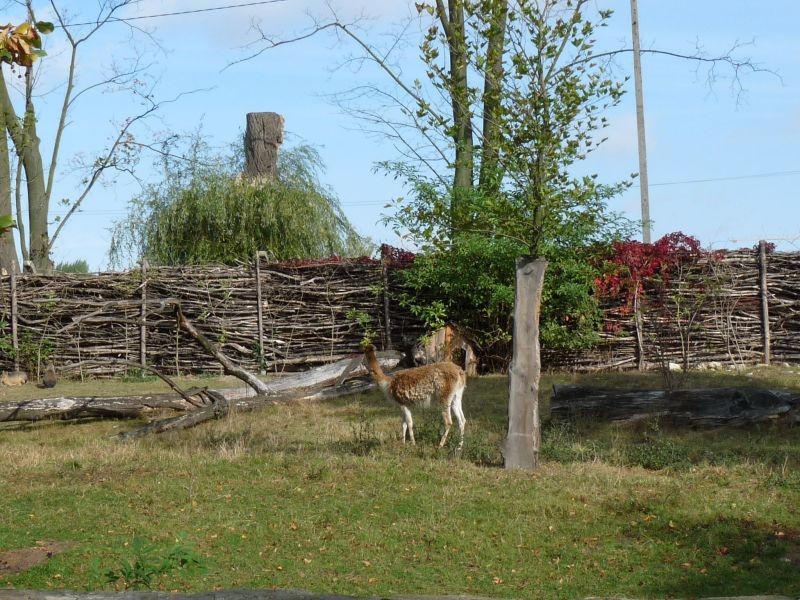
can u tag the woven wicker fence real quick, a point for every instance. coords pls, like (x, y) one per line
(278, 317)
(738, 307)
(308, 314)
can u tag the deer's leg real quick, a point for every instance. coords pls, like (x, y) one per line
(448, 422)
(459, 413)
(408, 424)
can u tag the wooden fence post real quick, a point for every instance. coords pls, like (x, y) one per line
(143, 314)
(14, 316)
(764, 294)
(387, 325)
(260, 314)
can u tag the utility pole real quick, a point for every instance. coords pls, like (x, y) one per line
(637, 81)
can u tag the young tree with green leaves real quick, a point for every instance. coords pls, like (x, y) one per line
(546, 99)
(515, 95)
(492, 138)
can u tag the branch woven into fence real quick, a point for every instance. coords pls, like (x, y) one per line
(710, 313)
(82, 321)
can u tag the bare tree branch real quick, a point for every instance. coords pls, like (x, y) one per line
(108, 159)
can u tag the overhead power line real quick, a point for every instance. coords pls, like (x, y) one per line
(729, 178)
(183, 12)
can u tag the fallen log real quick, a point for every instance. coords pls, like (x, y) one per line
(228, 365)
(126, 407)
(709, 407)
(307, 380)
(221, 407)
(104, 407)
(218, 408)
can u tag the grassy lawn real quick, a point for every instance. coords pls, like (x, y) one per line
(323, 496)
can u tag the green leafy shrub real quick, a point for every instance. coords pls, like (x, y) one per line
(146, 564)
(471, 283)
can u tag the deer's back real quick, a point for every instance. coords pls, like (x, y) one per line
(430, 383)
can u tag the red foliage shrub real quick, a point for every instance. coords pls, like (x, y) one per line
(631, 265)
(396, 257)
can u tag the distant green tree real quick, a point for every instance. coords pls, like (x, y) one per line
(202, 211)
(76, 266)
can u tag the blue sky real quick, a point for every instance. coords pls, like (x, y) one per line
(724, 166)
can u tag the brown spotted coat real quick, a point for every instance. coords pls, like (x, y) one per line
(442, 383)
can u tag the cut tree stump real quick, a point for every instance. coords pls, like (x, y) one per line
(708, 407)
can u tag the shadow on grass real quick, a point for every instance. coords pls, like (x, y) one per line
(728, 556)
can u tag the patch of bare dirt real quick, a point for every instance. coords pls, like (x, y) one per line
(16, 561)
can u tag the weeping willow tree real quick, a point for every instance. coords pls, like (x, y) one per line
(202, 211)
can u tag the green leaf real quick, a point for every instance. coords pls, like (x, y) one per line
(6, 222)
(44, 27)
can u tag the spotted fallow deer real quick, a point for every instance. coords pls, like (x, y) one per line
(443, 383)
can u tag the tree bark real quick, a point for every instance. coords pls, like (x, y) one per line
(8, 252)
(524, 436)
(452, 20)
(263, 137)
(26, 143)
(82, 407)
(490, 173)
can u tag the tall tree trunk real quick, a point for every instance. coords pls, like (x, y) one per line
(38, 198)
(490, 172)
(26, 142)
(452, 20)
(524, 436)
(8, 253)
